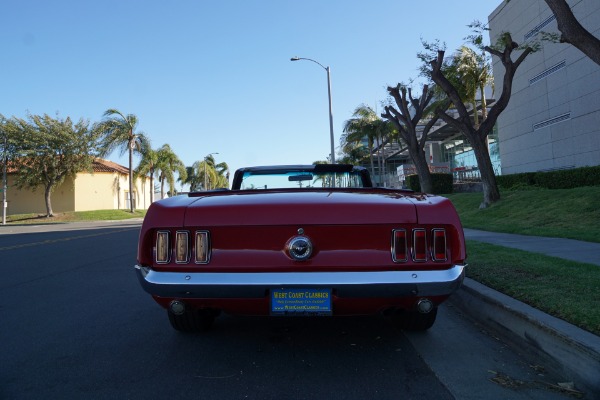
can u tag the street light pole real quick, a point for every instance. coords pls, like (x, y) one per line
(205, 157)
(331, 138)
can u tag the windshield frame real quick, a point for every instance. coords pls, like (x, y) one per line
(316, 176)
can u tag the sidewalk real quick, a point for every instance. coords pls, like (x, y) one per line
(569, 249)
(574, 351)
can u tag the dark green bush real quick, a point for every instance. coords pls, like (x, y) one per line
(561, 179)
(516, 180)
(412, 182)
(441, 183)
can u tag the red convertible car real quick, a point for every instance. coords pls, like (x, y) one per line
(301, 240)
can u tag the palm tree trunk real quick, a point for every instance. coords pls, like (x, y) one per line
(483, 102)
(382, 171)
(475, 113)
(131, 176)
(372, 165)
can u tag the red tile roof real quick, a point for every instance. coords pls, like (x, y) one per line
(101, 165)
(98, 165)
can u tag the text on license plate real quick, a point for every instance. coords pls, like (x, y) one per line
(300, 301)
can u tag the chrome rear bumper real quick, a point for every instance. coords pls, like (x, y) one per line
(376, 284)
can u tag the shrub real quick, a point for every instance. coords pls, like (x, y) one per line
(561, 179)
(440, 183)
(412, 182)
(516, 180)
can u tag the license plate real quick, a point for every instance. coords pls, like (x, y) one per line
(295, 301)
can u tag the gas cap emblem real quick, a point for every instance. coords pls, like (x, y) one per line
(300, 248)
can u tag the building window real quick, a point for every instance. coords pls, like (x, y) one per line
(461, 157)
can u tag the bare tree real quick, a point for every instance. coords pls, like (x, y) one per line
(406, 117)
(477, 135)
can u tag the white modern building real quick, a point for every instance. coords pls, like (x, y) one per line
(553, 117)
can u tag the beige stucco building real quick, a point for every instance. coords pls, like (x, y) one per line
(106, 188)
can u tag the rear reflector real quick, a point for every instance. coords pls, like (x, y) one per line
(202, 247)
(419, 245)
(162, 247)
(399, 245)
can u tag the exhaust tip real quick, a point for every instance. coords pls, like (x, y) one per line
(424, 306)
(177, 307)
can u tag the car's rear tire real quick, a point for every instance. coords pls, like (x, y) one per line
(416, 321)
(193, 320)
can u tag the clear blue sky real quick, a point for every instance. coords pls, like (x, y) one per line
(216, 76)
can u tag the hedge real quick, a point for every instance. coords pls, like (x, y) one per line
(560, 179)
(441, 183)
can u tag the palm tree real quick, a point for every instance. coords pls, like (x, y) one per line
(353, 153)
(207, 174)
(360, 126)
(367, 124)
(475, 74)
(147, 166)
(167, 164)
(222, 175)
(193, 178)
(118, 131)
(384, 132)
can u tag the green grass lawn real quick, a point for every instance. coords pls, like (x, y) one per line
(100, 215)
(566, 213)
(565, 289)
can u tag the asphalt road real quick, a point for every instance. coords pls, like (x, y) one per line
(74, 323)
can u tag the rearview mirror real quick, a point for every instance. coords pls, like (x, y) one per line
(298, 178)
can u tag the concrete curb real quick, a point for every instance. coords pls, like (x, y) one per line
(573, 352)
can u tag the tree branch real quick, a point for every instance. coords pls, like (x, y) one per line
(573, 32)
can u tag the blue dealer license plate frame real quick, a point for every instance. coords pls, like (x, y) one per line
(301, 301)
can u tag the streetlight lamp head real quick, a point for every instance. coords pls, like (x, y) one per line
(294, 59)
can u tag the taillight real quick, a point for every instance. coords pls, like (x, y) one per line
(399, 245)
(202, 245)
(439, 245)
(181, 247)
(162, 247)
(419, 245)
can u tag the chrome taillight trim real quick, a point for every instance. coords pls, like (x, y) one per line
(182, 254)
(162, 236)
(421, 243)
(204, 237)
(434, 252)
(395, 245)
